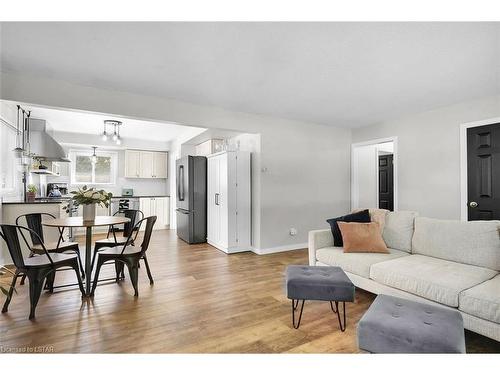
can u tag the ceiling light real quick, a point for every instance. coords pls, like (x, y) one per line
(93, 158)
(118, 141)
(116, 130)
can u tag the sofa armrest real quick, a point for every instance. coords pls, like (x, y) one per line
(317, 240)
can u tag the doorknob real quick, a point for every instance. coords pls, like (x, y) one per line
(473, 204)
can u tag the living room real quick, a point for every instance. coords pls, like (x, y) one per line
(397, 126)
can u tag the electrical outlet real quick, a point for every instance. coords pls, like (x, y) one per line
(293, 231)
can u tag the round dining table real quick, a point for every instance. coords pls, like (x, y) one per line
(78, 222)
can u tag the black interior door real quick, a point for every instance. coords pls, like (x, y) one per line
(386, 182)
(483, 172)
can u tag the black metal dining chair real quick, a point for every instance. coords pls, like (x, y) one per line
(128, 255)
(34, 222)
(129, 233)
(37, 267)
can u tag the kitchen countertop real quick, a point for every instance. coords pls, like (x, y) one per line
(39, 201)
(140, 196)
(64, 199)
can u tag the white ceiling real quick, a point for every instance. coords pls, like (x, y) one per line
(344, 74)
(89, 123)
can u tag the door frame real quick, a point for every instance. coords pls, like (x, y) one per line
(463, 161)
(354, 198)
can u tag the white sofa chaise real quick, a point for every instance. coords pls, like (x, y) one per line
(451, 263)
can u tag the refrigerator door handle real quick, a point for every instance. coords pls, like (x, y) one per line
(216, 199)
(180, 183)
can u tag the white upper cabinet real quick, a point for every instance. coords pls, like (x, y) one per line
(209, 147)
(132, 163)
(145, 164)
(159, 165)
(147, 159)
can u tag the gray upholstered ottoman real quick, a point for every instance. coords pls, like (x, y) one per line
(318, 283)
(397, 325)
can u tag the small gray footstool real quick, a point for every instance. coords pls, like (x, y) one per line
(397, 325)
(321, 284)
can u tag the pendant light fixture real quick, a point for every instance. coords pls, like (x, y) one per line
(19, 150)
(115, 135)
(116, 131)
(93, 158)
(105, 133)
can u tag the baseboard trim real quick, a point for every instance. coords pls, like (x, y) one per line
(279, 249)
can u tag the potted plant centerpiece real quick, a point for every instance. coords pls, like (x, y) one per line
(31, 193)
(89, 198)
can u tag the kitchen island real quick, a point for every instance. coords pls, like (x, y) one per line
(12, 210)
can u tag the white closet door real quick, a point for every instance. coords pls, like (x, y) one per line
(223, 200)
(212, 208)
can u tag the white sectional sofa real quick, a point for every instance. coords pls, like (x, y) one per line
(451, 263)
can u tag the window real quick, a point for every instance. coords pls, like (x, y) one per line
(84, 172)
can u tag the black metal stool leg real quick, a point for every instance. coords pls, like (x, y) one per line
(337, 311)
(294, 308)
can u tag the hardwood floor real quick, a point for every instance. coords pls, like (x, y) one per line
(203, 301)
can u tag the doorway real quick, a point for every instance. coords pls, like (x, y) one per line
(374, 174)
(480, 170)
(386, 181)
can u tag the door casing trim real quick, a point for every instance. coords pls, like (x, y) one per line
(463, 161)
(354, 181)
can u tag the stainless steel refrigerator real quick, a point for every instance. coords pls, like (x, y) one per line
(191, 208)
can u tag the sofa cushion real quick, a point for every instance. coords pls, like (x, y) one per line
(483, 300)
(435, 279)
(398, 229)
(357, 263)
(471, 242)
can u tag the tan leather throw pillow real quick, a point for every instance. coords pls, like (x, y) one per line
(362, 238)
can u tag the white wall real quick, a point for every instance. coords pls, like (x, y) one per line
(429, 154)
(306, 166)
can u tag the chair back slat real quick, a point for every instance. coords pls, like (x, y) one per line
(150, 222)
(34, 223)
(134, 216)
(11, 237)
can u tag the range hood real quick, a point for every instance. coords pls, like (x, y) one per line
(42, 145)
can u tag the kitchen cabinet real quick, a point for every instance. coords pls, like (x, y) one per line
(229, 201)
(160, 165)
(147, 159)
(209, 147)
(145, 164)
(159, 207)
(132, 163)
